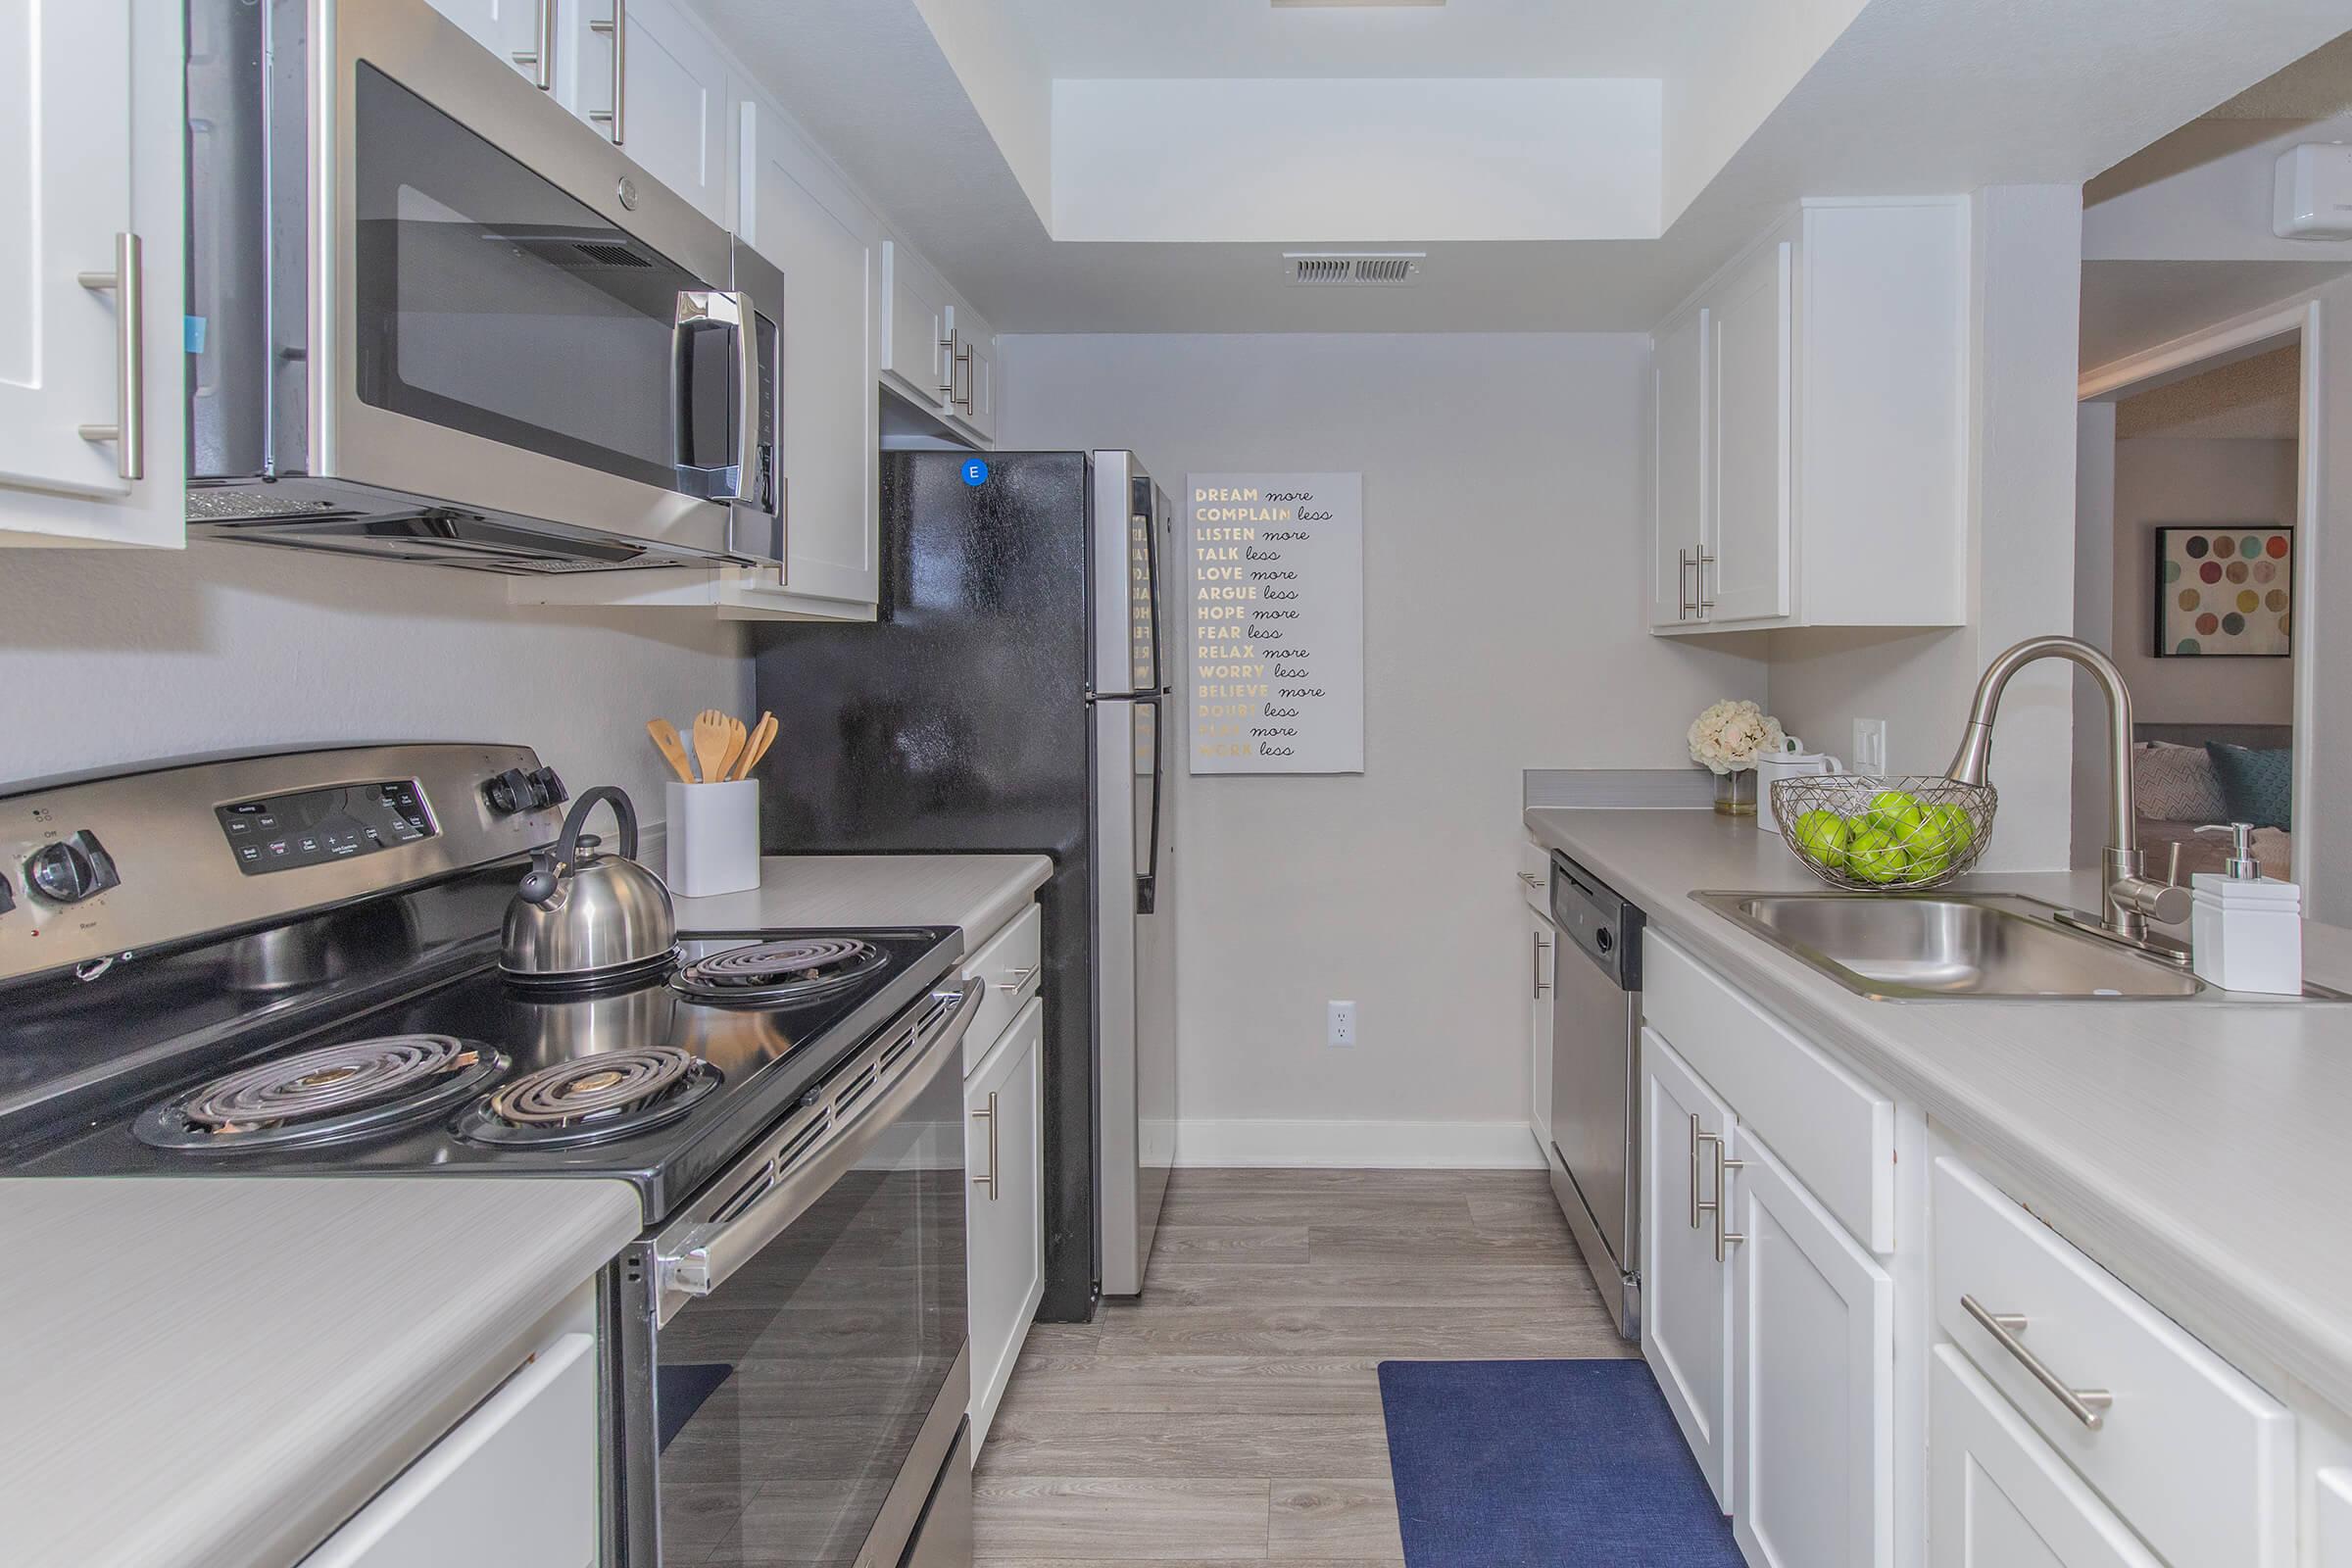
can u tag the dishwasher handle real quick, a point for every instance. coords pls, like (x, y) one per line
(1593, 916)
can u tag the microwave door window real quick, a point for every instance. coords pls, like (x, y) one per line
(493, 303)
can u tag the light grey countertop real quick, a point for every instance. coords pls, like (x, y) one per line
(209, 1373)
(2195, 1148)
(978, 892)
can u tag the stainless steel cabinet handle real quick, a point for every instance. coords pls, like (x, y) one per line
(2086, 1406)
(540, 57)
(128, 432)
(1681, 585)
(963, 362)
(1724, 1239)
(947, 363)
(989, 1180)
(618, 30)
(1538, 948)
(1706, 559)
(1531, 879)
(1018, 979)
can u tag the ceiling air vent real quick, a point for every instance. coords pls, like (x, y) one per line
(1385, 270)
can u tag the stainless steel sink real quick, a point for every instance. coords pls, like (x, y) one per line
(1931, 947)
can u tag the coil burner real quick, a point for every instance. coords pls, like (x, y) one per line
(770, 972)
(329, 1094)
(592, 1100)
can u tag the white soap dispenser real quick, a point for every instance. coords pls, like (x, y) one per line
(2247, 929)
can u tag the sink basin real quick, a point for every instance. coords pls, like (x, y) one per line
(1981, 946)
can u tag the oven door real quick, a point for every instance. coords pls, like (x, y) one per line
(507, 313)
(795, 1374)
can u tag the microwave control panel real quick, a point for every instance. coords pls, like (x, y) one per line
(285, 831)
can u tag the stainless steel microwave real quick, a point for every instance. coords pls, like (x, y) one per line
(434, 317)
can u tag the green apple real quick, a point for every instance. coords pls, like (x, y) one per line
(1953, 827)
(1873, 855)
(1820, 836)
(1897, 811)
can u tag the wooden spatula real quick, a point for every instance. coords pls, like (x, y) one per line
(762, 737)
(737, 737)
(672, 747)
(713, 736)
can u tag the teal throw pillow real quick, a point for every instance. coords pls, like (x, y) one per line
(2259, 785)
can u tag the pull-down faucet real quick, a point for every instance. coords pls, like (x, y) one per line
(2132, 897)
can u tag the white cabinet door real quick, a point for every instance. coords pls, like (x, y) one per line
(972, 360)
(671, 111)
(2001, 1497)
(1748, 577)
(1813, 1381)
(1004, 1098)
(914, 329)
(2332, 1519)
(1680, 528)
(92, 138)
(801, 218)
(517, 31)
(1541, 935)
(1686, 1290)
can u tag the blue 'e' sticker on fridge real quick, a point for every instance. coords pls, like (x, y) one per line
(975, 473)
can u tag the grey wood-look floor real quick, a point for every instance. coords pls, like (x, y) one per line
(1232, 1414)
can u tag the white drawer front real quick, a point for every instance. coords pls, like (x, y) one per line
(1833, 1131)
(1009, 963)
(2000, 1496)
(514, 1483)
(1535, 877)
(2196, 1459)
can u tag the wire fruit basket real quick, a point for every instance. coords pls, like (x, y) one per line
(1885, 835)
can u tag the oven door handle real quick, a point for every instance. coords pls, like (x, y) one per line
(708, 1254)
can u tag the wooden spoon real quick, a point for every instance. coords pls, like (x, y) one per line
(712, 739)
(761, 738)
(737, 735)
(673, 746)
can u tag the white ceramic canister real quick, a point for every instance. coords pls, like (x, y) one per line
(1794, 762)
(713, 837)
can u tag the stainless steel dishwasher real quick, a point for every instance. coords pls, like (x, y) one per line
(1596, 1113)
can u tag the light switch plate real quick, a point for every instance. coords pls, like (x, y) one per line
(1870, 747)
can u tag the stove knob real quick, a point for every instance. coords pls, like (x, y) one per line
(509, 793)
(547, 789)
(70, 870)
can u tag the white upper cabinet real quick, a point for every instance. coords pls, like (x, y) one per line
(914, 329)
(799, 214)
(1811, 423)
(92, 412)
(971, 350)
(1681, 528)
(522, 32)
(649, 75)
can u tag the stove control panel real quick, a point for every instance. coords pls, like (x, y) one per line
(283, 831)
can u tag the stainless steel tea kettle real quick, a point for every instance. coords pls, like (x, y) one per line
(583, 915)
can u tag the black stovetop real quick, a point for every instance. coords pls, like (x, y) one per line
(766, 1056)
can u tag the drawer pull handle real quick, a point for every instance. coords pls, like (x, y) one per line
(989, 1115)
(1018, 979)
(2086, 1406)
(1724, 1239)
(1531, 879)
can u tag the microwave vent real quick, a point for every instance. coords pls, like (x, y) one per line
(571, 252)
(207, 505)
(611, 254)
(1352, 269)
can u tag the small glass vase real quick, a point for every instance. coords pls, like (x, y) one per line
(1735, 793)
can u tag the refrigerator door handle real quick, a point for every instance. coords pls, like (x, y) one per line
(1146, 883)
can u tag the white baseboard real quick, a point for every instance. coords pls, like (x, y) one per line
(1360, 1145)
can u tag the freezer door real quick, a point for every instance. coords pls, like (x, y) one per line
(1135, 995)
(1128, 568)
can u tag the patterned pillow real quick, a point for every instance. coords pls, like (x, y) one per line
(2178, 783)
(2258, 785)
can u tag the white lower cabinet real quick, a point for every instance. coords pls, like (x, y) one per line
(1813, 1380)
(2001, 1497)
(514, 1483)
(1685, 1291)
(1003, 1099)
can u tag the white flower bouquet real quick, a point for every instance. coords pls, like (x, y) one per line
(1729, 736)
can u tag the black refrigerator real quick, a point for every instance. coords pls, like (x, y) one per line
(1013, 695)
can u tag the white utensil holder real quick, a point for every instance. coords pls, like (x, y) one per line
(713, 837)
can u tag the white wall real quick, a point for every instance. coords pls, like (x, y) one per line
(119, 657)
(1505, 531)
(2160, 481)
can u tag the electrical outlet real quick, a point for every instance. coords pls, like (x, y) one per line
(1870, 747)
(1338, 1024)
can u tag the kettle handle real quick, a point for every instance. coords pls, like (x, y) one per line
(539, 883)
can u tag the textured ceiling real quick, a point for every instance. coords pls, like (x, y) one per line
(2248, 400)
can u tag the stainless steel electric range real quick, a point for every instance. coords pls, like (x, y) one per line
(257, 965)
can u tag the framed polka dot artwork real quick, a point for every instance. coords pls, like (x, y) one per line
(2224, 592)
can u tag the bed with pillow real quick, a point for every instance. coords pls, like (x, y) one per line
(2187, 775)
